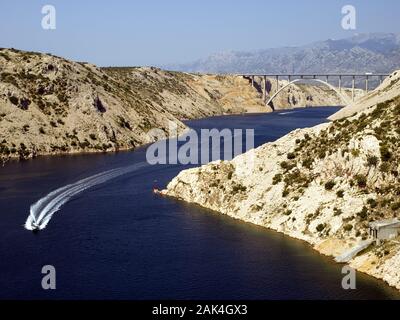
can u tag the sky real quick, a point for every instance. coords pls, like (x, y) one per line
(162, 32)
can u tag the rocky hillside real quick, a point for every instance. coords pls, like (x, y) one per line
(50, 105)
(322, 185)
(387, 91)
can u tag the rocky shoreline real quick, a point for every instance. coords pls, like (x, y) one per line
(322, 185)
(50, 105)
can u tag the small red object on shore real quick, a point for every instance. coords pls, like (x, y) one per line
(156, 191)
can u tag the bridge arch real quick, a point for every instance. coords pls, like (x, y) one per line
(344, 98)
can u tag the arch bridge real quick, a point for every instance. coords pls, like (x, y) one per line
(294, 78)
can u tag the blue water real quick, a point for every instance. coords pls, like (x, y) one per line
(118, 240)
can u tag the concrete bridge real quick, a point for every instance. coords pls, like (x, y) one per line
(321, 78)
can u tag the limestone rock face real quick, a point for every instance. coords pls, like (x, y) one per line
(322, 185)
(387, 90)
(49, 105)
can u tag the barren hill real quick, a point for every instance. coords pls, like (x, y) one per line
(323, 185)
(50, 105)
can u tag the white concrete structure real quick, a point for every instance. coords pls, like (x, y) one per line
(293, 78)
(384, 229)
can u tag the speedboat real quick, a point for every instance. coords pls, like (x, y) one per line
(35, 227)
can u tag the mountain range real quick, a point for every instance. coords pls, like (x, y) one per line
(373, 52)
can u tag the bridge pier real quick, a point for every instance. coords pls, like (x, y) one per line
(340, 83)
(265, 90)
(252, 81)
(353, 84)
(366, 84)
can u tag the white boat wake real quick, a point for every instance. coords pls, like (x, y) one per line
(43, 210)
(285, 113)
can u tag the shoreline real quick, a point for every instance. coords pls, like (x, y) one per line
(17, 158)
(273, 186)
(313, 246)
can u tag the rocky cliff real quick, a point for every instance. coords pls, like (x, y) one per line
(50, 105)
(322, 185)
(388, 90)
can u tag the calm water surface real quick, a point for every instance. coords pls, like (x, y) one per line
(120, 241)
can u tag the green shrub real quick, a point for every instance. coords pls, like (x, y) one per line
(395, 206)
(277, 179)
(284, 165)
(288, 165)
(307, 163)
(92, 136)
(384, 167)
(322, 154)
(372, 203)
(13, 100)
(238, 188)
(348, 227)
(330, 185)
(363, 214)
(340, 194)
(287, 212)
(372, 161)
(285, 193)
(291, 156)
(385, 153)
(355, 153)
(337, 212)
(84, 144)
(361, 180)
(321, 227)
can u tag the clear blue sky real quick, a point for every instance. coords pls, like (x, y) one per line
(143, 32)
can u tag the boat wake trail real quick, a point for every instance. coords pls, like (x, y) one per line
(43, 210)
(285, 113)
